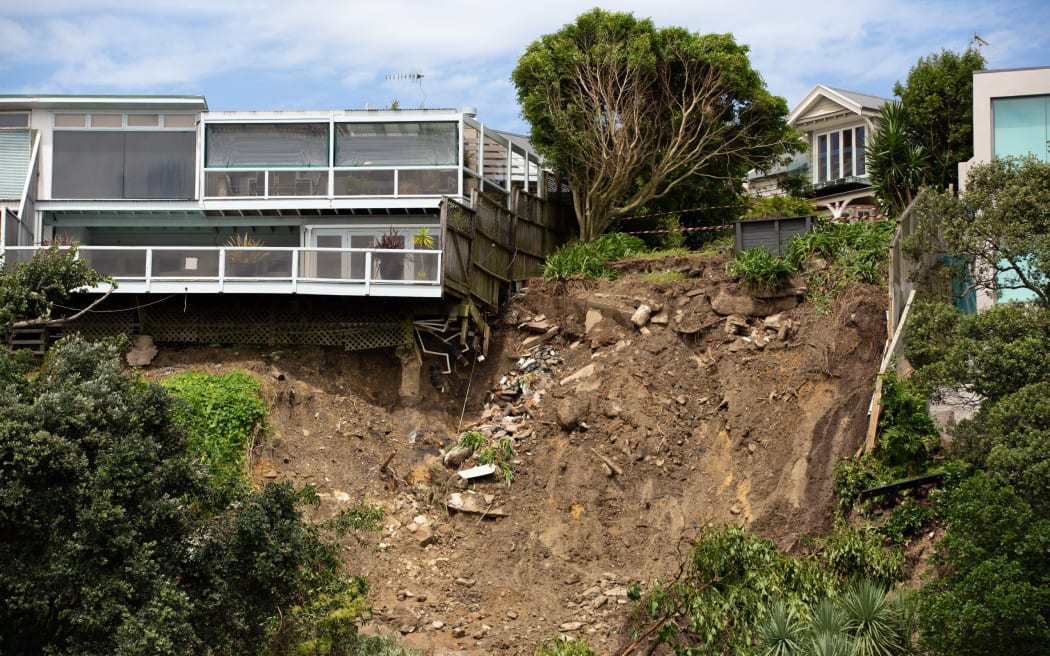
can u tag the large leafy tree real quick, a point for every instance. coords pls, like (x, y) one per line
(1000, 225)
(938, 95)
(104, 545)
(629, 111)
(991, 592)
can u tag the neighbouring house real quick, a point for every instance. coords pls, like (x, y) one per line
(1011, 118)
(836, 125)
(241, 209)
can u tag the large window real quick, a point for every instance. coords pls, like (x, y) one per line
(1021, 126)
(396, 144)
(840, 154)
(123, 164)
(271, 144)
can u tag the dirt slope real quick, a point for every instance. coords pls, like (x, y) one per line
(674, 425)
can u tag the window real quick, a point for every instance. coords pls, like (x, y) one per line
(123, 164)
(840, 154)
(269, 144)
(396, 144)
(12, 120)
(1021, 126)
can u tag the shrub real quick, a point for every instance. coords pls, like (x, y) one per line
(222, 415)
(587, 260)
(760, 269)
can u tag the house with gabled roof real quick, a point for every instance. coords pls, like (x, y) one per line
(836, 125)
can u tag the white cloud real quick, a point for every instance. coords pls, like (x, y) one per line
(270, 54)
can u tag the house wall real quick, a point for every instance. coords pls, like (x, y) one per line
(989, 85)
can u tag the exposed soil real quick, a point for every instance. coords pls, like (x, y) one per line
(676, 425)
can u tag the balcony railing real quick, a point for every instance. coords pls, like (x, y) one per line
(329, 271)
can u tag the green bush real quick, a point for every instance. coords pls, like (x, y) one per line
(760, 269)
(855, 251)
(222, 415)
(908, 438)
(588, 260)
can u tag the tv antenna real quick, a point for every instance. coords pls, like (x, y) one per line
(976, 39)
(411, 77)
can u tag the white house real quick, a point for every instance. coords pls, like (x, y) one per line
(836, 125)
(166, 196)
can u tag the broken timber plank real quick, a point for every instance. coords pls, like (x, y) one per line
(904, 484)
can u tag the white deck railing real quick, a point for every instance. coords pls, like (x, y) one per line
(209, 270)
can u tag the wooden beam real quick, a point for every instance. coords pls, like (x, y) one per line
(876, 399)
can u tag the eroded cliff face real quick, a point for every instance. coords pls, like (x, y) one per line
(629, 433)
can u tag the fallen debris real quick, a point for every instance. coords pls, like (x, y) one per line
(469, 503)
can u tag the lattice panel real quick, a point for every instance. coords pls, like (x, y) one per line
(247, 326)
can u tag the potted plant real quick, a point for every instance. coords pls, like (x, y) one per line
(243, 262)
(392, 265)
(423, 241)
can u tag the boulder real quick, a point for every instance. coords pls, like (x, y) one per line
(726, 303)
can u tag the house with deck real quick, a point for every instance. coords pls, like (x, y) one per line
(836, 125)
(206, 219)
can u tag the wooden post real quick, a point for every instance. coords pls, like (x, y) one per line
(876, 399)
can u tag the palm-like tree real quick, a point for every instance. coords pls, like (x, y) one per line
(865, 620)
(898, 165)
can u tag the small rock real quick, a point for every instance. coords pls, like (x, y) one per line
(641, 316)
(272, 473)
(456, 456)
(736, 508)
(570, 626)
(424, 536)
(465, 582)
(735, 325)
(572, 411)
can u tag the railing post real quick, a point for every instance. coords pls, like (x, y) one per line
(368, 273)
(295, 269)
(149, 269)
(222, 268)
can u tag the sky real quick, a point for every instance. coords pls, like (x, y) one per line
(349, 54)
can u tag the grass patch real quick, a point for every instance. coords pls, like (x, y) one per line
(662, 277)
(855, 252)
(587, 260)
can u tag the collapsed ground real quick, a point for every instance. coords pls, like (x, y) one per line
(630, 431)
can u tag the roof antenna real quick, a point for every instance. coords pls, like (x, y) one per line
(976, 38)
(416, 77)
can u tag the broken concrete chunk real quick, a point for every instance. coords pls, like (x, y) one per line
(585, 372)
(537, 327)
(593, 318)
(536, 340)
(469, 503)
(735, 325)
